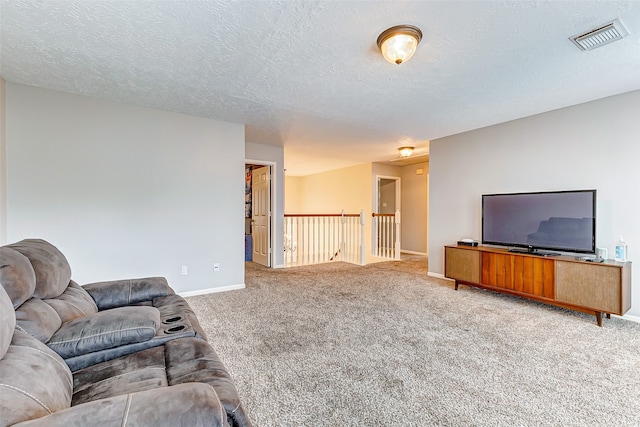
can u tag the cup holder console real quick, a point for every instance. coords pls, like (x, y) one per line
(174, 329)
(172, 319)
(174, 325)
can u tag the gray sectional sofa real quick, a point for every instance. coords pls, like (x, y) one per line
(126, 352)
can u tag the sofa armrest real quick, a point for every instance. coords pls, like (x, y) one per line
(192, 404)
(118, 293)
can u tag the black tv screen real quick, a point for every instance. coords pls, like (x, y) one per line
(556, 220)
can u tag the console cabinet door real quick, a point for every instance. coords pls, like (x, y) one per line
(594, 286)
(462, 264)
(529, 275)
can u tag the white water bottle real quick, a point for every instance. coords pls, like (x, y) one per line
(621, 250)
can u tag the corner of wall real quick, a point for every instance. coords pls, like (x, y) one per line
(3, 163)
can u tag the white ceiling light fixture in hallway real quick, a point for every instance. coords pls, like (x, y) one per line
(406, 151)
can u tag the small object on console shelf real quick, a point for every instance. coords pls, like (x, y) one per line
(589, 259)
(468, 242)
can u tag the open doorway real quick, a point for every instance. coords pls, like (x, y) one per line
(259, 216)
(388, 195)
(385, 226)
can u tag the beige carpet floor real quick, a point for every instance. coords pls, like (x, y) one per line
(386, 345)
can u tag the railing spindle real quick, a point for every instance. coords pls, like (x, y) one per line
(386, 237)
(377, 242)
(397, 230)
(324, 240)
(304, 241)
(300, 236)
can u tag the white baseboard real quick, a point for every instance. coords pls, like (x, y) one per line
(438, 275)
(628, 317)
(211, 290)
(413, 252)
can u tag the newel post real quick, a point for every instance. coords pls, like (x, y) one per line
(362, 248)
(343, 238)
(397, 243)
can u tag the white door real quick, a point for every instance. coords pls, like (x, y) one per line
(261, 215)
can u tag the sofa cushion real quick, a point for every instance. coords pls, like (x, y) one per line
(193, 405)
(105, 329)
(38, 319)
(35, 381)
(16, 275)
(180, 361)
(170, 330)
(140, 371)
(50, 265)
(7, 321)
(73, 303)
(193, 360)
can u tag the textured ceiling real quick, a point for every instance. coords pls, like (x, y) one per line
(307, 74)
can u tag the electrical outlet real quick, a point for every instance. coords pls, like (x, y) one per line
(216, 267)
(185, 270)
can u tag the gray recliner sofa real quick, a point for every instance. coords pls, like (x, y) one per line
(127, 352)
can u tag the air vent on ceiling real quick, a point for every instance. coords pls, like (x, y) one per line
(600, 36)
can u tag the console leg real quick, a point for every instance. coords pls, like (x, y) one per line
(599, 318)
(608, 315)
(456, 287)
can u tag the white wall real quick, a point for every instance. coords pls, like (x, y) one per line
(126, 191)
(415, 214)
(273, 155)
(3, 165)
(592, 145)
(329, 192)
(292, 194)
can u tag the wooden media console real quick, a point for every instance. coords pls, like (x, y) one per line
(593, 288)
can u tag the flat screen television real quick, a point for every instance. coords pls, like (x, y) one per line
(527, 222)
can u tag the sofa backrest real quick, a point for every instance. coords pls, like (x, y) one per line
(74, 302)
(7, 322)
(33, 273)
(34, 380)
(16, 275)
(50, 266)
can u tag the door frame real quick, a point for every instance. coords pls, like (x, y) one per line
(376, 201)
(397, 180)
(272, 202)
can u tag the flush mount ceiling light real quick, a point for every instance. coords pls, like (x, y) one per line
(405, 151)
(399, 43)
